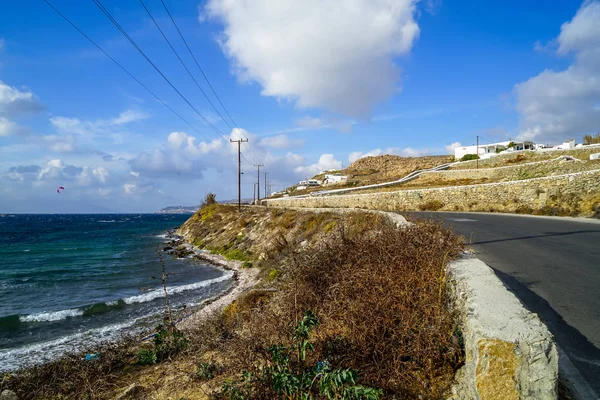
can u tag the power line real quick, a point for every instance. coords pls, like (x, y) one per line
(124, 69)
(134, 44)
(197, 64)
(183, 64)
(256, 158)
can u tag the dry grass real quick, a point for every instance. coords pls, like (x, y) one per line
(383, 308)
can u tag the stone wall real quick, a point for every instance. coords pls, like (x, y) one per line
(509, 352)
(583, 153)
(577, 193)
(536, 169)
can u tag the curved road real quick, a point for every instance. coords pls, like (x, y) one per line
(552, 265)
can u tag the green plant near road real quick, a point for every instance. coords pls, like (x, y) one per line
(289, 376)
(468, 157)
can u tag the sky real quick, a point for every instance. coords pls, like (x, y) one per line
(312, 85)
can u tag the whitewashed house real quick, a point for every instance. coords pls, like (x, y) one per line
(332, 179)
(491, 149)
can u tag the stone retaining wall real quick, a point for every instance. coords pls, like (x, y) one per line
(577, 193)
(583, 153)
(510, 354)
(509, 173)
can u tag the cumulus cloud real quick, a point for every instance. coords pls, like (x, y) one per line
(398, 151)
(451, 147)
(14, 101)
(316, 52)
(128, 116)
(280, 142)
(326, 162)
(181, 140)
(7, 127)
(557, 105)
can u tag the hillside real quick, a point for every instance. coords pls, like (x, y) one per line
(377, 169)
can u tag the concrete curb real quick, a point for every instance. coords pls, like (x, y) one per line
(510, 353)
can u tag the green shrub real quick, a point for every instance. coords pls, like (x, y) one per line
(235, 254)
(274, 274)
(205, 371)
(468, 157)
(146, 357)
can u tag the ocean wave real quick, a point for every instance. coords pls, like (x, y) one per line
(49, 316)
(103, 307)
(156, 293)
(12, 359)
(106, 221)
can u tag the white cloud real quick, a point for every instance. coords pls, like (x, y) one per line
(128, 116)
(318, 53)
(398, 151)
(14, 101)
(451, 147)
(280, 142)
(310, 122)
(76, 126)
(326, 161)
(558, 105)
(7, 127)
(181, 140)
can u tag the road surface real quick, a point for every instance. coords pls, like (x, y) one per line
(552, 265)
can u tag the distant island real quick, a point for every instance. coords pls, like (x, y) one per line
(178, 210)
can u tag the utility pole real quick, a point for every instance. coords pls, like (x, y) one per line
(258, 184)
(477, 152)
(254, 193)
(239, 142)
(265, 183)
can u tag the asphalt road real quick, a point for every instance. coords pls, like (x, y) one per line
(552, 265)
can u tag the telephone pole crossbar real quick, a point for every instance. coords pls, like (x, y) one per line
(239, 142)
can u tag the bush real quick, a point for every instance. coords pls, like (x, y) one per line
(209, 200)
(589, 139)
(468, 157)
(206, 371)
(289, 375)
(382, 307)
(146, 357)
(431, 205)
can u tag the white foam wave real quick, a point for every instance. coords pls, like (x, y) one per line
(105, 221)
(51, 315)
(156, 293)
(38, 353)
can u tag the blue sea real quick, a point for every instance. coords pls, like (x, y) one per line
(69, 281)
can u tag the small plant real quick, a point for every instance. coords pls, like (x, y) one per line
(274, 274)
(209, 200)
(205, 371)
(146, 357)
(288, 374)
(468, 157)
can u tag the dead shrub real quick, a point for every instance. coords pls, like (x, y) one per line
(382, 303)
(431, 205)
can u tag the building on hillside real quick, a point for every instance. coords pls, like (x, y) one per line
(570, 144)
(309, 182)
(332, 179)
(491, 149)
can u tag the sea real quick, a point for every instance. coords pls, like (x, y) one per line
(68, 282)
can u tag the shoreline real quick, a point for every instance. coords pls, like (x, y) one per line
(243, 280)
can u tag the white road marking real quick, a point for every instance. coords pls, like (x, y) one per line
(463, 220)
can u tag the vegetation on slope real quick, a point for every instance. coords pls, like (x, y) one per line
(382, 325)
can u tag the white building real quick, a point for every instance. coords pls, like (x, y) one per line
(332, 179)
(491, 149)
(309, 182)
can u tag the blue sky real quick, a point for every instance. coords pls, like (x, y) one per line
(313, 85)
